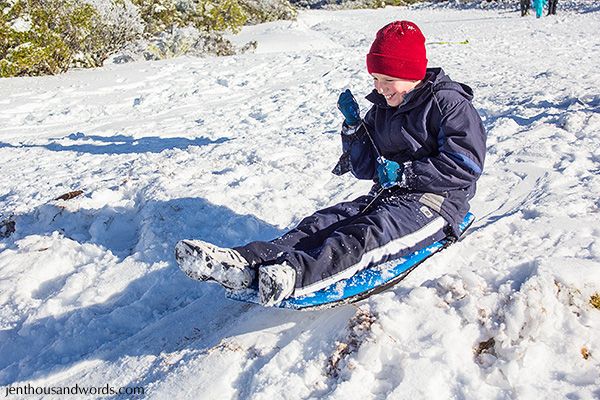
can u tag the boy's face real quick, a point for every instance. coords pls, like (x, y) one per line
(394, 89)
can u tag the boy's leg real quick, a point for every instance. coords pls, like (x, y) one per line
(309, 234)
(312, 230)
(236, 268)
(388, 231)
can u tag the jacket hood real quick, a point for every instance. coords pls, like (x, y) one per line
(434, 81)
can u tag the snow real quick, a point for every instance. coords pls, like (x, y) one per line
(230, 150)
(21, 25)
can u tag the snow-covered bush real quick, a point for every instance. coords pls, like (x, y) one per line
(259, 11)
(177, 27)
(190, 27)
(194, 27)
(338, 4)
(176, 42)
(40, 37)
(204, 15)
(48, 36)
(32, 39)
(121, 19)
(401, 2)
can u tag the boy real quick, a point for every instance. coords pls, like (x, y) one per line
(422, 143)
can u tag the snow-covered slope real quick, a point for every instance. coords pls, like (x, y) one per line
(236, 149)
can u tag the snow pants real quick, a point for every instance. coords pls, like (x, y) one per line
(338, 241)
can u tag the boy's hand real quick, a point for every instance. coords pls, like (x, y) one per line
(349, 107)
(388, 172)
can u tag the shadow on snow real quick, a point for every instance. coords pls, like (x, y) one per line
(118, 144)
(160, 312)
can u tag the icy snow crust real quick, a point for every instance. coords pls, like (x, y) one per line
(235, 149)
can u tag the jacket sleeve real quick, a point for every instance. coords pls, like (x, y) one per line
(359, 155)
(460, 157)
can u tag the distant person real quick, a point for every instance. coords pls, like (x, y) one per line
(538, 6)
(525, 6)
(552, 7)
(422, 143)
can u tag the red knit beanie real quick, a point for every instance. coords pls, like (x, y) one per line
(398, 51)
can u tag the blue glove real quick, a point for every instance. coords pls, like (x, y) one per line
(388, 172)
(349, 107)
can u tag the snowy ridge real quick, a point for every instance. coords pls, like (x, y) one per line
(235, 149)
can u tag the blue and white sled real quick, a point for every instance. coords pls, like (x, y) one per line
(361, 285)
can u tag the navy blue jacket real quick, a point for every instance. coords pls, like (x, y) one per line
(436, 134)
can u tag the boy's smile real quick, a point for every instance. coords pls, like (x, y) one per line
(393, 89)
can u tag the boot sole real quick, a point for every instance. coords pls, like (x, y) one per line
(186, 249)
